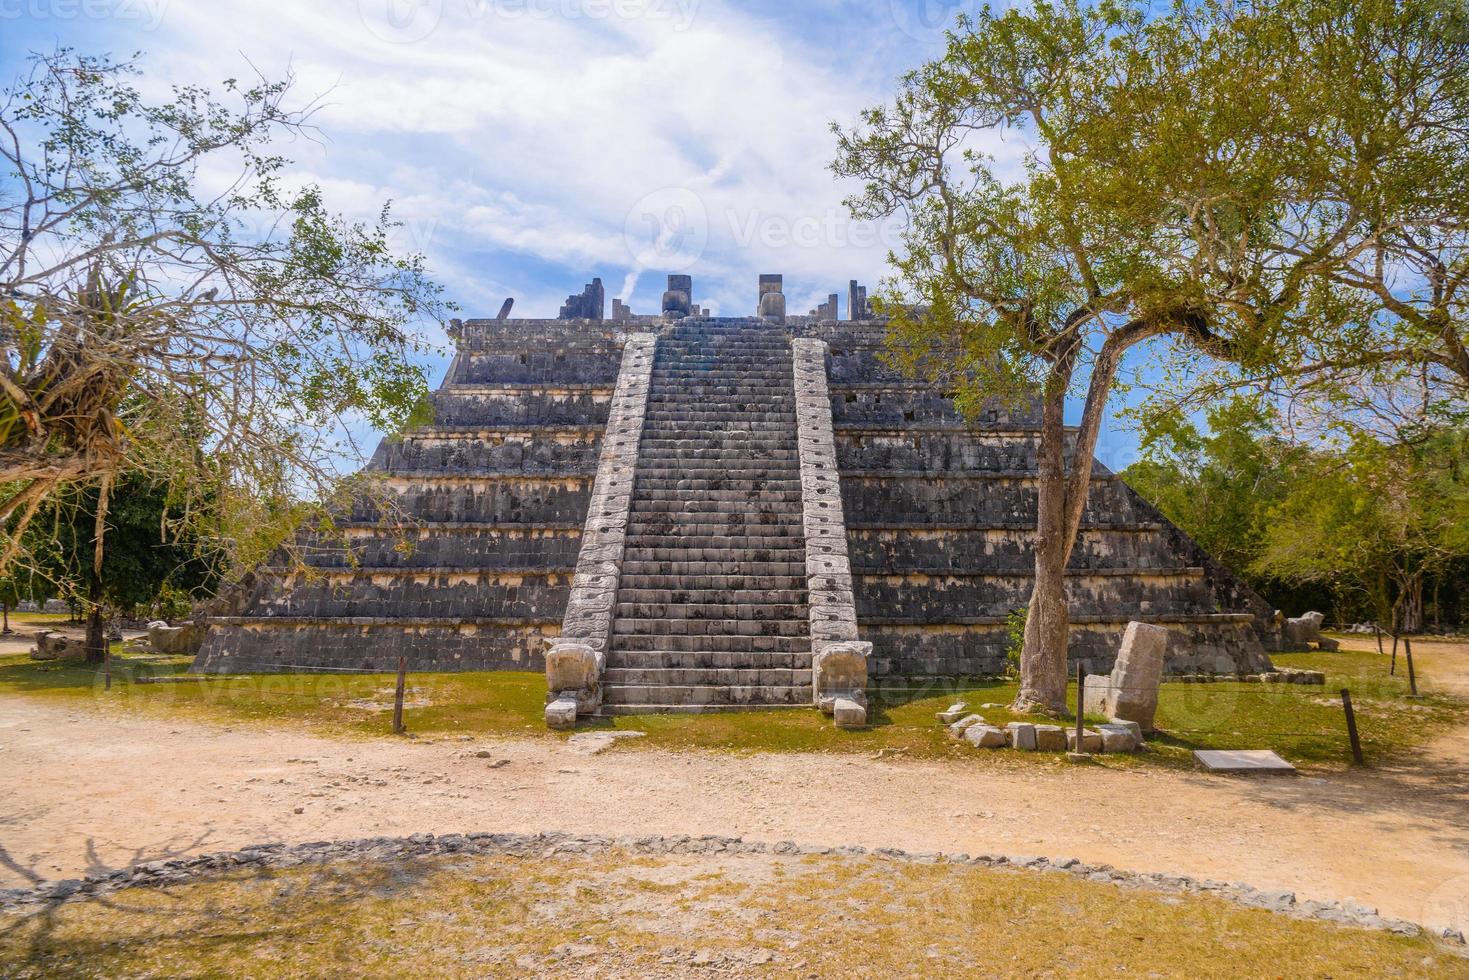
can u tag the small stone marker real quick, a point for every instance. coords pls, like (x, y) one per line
(1022, 735)
(1050, 738)
(984, 737)
(1133, 694)
(847, 713)
(1118, 738)
(953, 714)
(956, 730)
(561, 713)
(1241, 760)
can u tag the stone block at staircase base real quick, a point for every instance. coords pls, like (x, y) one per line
(847, 713)
(561, 713)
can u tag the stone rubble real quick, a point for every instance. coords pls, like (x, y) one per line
(543, 846)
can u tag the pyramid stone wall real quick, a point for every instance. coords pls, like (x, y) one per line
(940, 515)
(470, 567)
(469, 564)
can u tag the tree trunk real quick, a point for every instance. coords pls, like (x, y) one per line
(1060, 501)
(96, 635)
(1413, 604)
(1043, 672)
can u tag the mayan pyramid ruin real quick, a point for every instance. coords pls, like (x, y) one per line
(678, 512)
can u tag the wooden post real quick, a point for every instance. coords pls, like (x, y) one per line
(1346, 703)
(398, 696)
(106, 664)
(1377, 630)
(1080, 706)
(1393, 668)
(1412, 677)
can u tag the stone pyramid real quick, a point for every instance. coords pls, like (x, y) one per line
(681, 512)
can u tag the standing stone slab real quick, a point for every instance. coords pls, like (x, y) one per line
(587, 623)
(1133, 695)
(839, 658)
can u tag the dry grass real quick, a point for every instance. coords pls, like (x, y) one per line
(1303, 723)
(618, 915)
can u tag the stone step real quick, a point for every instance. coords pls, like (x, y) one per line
(731, 643)
(637, 583)
(710, 628)
(731, 557)
(691, 449)
(678, 485)
(777, 525)
(720, 609)
(659, 495)
(624, 710)
(702, 533)
(708, 676)
(740, 597)
(706, 659)
(635, 567)
(707, 695)
(708, 504)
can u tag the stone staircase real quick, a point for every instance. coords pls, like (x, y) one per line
(711, 609)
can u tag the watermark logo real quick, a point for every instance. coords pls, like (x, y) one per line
(667, 229)
(401, 21)
(147, 13)
(1447, 907)
(925, 20)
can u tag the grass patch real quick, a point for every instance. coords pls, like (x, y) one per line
(1303, 723)
(617, 915)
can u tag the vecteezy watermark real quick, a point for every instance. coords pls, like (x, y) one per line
(831, 229)
(925, 20)
(667, 229)
(1446, 907)
(147, 13)
(670, 228)
(408, 21)
(401, 21)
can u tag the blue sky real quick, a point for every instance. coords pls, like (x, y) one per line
(528, 145)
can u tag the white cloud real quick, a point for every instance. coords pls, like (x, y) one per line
(536, 135)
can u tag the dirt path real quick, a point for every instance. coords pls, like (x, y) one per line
(85, 789)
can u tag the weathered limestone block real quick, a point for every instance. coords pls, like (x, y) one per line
(573, 672)
(55, 646)
(847, 713)
(1022, 735)
(840, 670)
(678, 299)
(1118, 738)
(182, 639)
(957, 729)
(1133, 695)
(985, 737)
(561, 714)
(954, 713)
(1091, 741)
(1303, 631)
(1050, 738)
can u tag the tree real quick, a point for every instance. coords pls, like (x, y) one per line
(1380, 520)
(213, 336)
(1196, 181)
(148, 551)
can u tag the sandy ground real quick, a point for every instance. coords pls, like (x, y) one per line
(85, 789)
